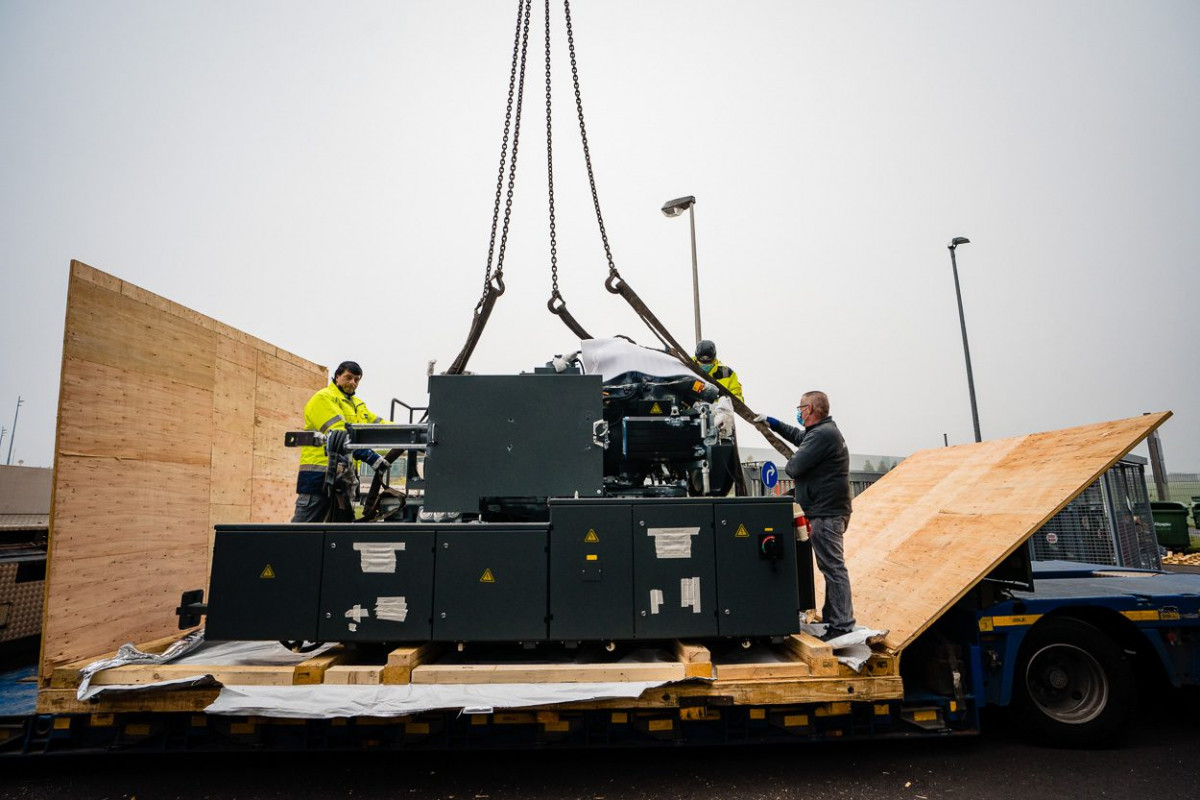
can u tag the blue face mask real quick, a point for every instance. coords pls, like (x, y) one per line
(800, 418)
(708, 367)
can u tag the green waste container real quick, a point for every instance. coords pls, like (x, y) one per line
(1170, 524)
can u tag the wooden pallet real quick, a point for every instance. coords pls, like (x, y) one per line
(801, 669)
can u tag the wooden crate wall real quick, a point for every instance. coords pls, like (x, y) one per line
(942, 519)
(168, 422)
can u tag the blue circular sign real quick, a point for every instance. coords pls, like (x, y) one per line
(769, 474)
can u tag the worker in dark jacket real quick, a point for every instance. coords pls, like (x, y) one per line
(821, 469)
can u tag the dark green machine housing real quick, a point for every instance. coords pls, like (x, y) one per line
(554, 507)
(601, 569)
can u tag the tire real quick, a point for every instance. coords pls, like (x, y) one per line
(1074, 687)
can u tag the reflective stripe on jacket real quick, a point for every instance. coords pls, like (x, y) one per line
(726, 377)
(329, 409)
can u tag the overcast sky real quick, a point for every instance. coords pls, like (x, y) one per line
(322, 175)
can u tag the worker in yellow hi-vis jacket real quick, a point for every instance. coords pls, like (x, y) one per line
(706, 357)
(327, 410)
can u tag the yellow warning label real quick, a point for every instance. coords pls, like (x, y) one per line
(742, 533)
(656, 409)
(487, 577)
(267, 572)
(591, 536)
(593, 557)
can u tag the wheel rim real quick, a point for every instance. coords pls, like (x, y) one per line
(1067, 684)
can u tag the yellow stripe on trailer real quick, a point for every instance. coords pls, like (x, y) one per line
(1013, 621)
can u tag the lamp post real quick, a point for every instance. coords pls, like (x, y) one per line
(962, 321)
(673, 208)
(12, 435)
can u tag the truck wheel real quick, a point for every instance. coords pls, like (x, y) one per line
(1074, 687)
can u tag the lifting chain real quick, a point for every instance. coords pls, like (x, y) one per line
(493, 284)
(557, 304)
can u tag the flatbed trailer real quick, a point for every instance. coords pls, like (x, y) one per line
(934, 552)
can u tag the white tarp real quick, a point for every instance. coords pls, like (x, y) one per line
(325, 702)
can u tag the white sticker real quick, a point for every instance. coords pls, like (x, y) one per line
(672, 542)
(378, 556)
(393, 609)
(358, 614)
(689, 594)
(656, 600)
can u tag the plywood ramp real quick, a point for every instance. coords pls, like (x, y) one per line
(937, 524)
(168, 422)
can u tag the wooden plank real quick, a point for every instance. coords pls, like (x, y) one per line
(697, 660)
(403, 660)
(933, 527)
(313, 670)
(546, 673)
(231, 675)
(64, 701)
(812, 651)
(749, 671)
(354, 675)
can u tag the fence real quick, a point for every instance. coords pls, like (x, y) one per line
(1109, 523)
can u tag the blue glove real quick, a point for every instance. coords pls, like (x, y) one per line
(770, 422)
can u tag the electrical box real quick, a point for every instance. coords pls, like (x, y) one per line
(490, 583)
(512, 436)
(377, 584)
(266, 583)
(591, 570)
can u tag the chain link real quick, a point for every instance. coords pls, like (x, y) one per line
(587, 155)
(515, 86)
(554, 293)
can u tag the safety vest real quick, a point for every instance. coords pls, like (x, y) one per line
(329, 409)
(726, 377)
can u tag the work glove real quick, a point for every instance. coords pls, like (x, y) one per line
(382, 465)
(770, 422)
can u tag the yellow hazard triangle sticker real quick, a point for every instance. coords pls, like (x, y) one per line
(591, 536)
(656, 409)
(267, 572)
(487, 576)
(742, 533)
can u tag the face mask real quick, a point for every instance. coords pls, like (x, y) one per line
(708, 367)
(800, 418)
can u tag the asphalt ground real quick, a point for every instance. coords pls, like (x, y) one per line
(1159, 760)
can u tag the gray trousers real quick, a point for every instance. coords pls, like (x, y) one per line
(826, 537)
(311, 508)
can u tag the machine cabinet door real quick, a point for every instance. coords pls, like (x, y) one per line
(489, 585)
(377, 585)
(591, 572)
(756, 569)
(265, 585)
(674, 576)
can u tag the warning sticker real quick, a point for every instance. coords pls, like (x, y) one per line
(656, 409)
(742, 533)
(487, 576)
(591, 536)
(267, 572)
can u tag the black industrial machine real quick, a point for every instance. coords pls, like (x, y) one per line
(550, 507)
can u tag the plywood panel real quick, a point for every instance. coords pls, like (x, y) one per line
(933, 527)
(158, 420)
(111, 411)
(107, 328)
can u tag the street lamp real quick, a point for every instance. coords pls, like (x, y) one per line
(962, 321)
(673, 208)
